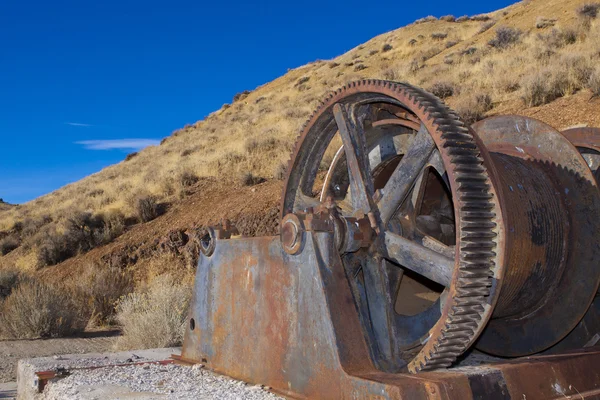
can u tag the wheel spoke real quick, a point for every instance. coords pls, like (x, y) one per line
(353, 141)
(378, 287)
(420, 259)
(405, 174)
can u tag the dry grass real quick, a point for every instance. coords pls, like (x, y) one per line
(254, 135)
(155, 316)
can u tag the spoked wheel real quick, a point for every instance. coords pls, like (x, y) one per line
(427, 280)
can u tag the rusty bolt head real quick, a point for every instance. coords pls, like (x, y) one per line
(292, 233)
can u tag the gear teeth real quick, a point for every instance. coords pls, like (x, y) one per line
(476, 216)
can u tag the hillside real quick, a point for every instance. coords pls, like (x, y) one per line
(538, 58)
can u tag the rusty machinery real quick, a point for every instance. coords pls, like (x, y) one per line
(417, 258)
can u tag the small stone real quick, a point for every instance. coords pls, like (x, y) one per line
(197, 366)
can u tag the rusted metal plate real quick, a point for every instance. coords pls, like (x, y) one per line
(289, 322)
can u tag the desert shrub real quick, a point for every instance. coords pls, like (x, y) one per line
(8, 244)
(505, 37)
(333, 65)
(589, 10)
(439, 35)
(31, 226)
(508, 84)
(248, 179)
(53, 248)
(448, 18)
(98, 289)
(386, 47)
(35, 309)
(594, 82)
(557, 39)
(463, 18)
(360, 67)
(430, 53)
(442, 89)
(147, 208)
(110, 226)
(241, 96)
(538, 89)
(302, 80)
(452, 43)
(487, 26)
(9, 278)
(83, 231)
(280, 171)
(429, 18)
(473, 108)
(468, 51)
(481, 17)
(542, 23)
(187, 178)
(131, 156)
(155, 316)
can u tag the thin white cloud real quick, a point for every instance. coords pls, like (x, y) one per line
(127, 144)
(78, 124)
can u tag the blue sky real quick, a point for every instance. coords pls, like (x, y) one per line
(80, 80)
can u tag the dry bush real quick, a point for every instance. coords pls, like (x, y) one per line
(442, 89)
(472, 108)
(35, 309)
(594, 82)
(542, 23)
(486, 27)
(8, 244)
(280, 171)
(9, 278)
(248, 179)
(131, 156)
(155, 316)
(505, 37)
(187, 178)
(439, 35)
(448, 18)
(589, 10)
(98, 289)
(481, 17)
(538, 89)
(463, 18)
(52, 248)
(557, 39)
(429, 18)
(386, 47)
(147, 208)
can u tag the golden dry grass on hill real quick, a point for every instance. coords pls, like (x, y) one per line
(523, 56)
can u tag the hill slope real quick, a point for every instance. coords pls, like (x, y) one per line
(538, 58)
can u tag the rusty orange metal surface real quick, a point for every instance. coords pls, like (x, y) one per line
(289, 322)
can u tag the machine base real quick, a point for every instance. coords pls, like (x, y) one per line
(290, 322)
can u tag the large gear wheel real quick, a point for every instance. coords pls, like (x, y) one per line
(422, 177)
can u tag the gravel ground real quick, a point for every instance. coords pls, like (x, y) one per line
(13, 350)
(152, 381)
